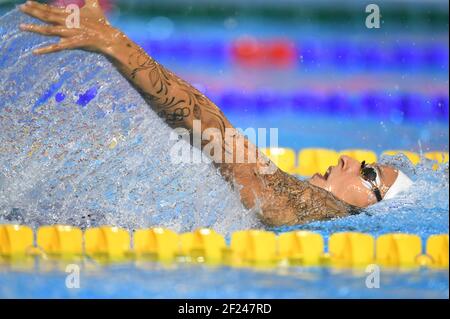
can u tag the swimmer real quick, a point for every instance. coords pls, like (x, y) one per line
(280, 199)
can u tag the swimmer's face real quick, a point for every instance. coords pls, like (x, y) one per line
(344, 182)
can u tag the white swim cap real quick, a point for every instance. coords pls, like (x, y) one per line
(401, 184)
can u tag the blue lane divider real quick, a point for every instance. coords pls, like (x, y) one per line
(311, 53)
(397, 107)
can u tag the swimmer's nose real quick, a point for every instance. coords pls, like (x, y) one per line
(349, 164)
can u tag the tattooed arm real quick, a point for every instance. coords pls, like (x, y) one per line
(181, 105)
(280, 198)
(173, 99)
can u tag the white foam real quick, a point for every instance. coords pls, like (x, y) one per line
(56, 164)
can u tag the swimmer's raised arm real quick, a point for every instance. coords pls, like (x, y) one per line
(173, 99)
(282, 199)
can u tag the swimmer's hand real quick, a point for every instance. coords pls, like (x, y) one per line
(94, 33)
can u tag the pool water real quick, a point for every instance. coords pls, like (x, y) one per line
(59, 117)
(156, 281)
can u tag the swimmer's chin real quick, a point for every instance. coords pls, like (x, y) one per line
(353, 209)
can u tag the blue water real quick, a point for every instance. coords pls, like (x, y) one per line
(155, 281)
(59, 115)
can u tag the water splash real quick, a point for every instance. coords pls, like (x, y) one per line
(79, 146)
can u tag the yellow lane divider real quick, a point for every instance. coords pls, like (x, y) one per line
(247, 248)
(301, 247)
(107, 243)
(398, 249)
(351, 249)
(202, 245)
(15, 240)
(60, 241)
(156, 243)
(284, 158)
(413, 157)
(439, 157)
(309, 161)
(361, 155)
(437, 250)
(252, 247)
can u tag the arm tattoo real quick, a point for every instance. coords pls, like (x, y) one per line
(178, 115)
(173, 99)
(282, 198)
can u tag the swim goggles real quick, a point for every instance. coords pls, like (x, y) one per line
(369, 175)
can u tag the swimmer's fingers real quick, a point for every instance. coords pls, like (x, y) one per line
(64, 44)
(43, 15)
(45, 7)
(49, 30)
